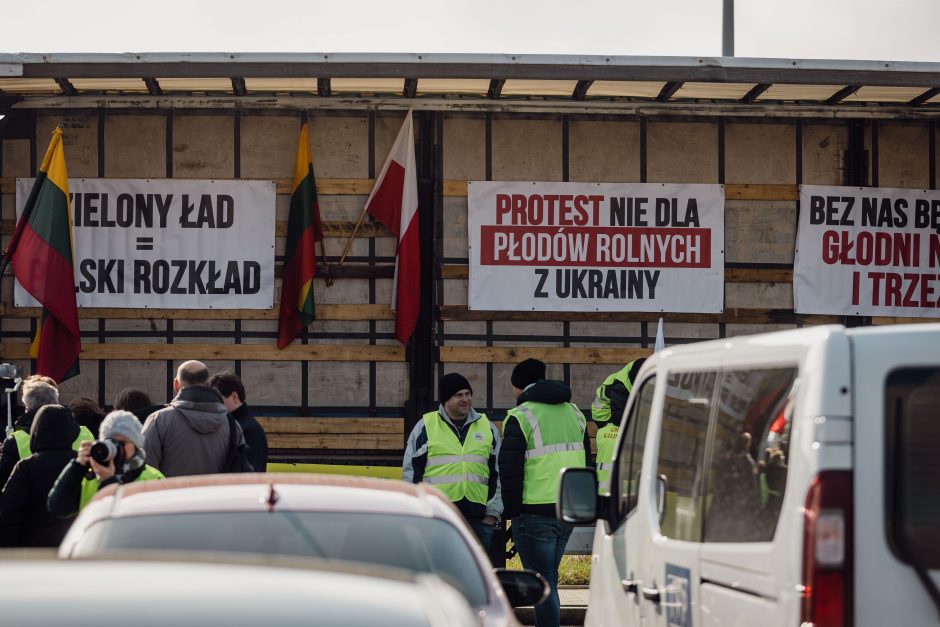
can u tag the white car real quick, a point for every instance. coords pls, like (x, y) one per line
(147, 590)
(780, 479)
(371, 521)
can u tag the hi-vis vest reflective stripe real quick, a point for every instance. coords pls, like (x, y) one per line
(459, 471)
(600, 408)
(22, 441)
(606, 439)
(554, 437)
(90, 486)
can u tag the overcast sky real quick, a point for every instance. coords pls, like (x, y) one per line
(901, 30)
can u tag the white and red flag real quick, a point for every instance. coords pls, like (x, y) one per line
(394, 203)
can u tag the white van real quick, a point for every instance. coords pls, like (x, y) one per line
(786, 479)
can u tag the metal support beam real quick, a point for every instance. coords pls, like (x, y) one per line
(668, 90)
(323, 87)
(581, 89)
(67, 88)
(238, 86)
(727, 28)
(755, 92)
(842, 94)
(153, 86)
(496, 88)
(411, 87)
(924, 97)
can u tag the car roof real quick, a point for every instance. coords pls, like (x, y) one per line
(276, 491)
(236, 592)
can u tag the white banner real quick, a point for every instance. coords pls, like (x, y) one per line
(169, 243)
(596, 246)
(868, 251)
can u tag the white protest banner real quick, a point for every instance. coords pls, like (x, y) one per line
(169, 243)
(596, 246)
(868, 251)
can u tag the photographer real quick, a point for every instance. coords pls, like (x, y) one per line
(118, 457)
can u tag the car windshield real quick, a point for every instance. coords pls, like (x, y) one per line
(418, 544)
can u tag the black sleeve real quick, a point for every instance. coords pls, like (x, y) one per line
(14, 501)
(257, 448)
(9, 455)
(494, 477)
(618, 395)
(66, 493)
(512, 467)
(588, 453)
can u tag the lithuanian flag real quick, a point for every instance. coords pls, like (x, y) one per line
(300, 265)
(41, 253)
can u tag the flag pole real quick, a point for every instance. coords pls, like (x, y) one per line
(349, 241)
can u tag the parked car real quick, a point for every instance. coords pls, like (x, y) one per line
(144, 590)
(371, 521)
(779, 479)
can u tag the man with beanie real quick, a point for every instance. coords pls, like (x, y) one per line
(191, 435)
(610, 400)
(543, 434)
(84, 476)
(24, 519)
(455, 449)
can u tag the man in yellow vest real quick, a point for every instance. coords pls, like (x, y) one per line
(455, 449)
(610, 400)
(542, 435)
(81, 479)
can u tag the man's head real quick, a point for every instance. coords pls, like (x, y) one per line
(526, 373)
(231, 388)
(189, 373)
(123, 427)
(38, 392)
(132, 399)
(456, 395)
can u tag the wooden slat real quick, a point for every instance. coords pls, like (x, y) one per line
(734, 315)
(732, 275)
(250, 352)
(550, 355)
(325, 187)
(335, 228)
(324, 312)
(761, 192)
(335, 426)
(340, 441)
(897, 320)
(455, 188)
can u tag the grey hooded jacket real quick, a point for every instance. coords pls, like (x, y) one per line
(191, 435)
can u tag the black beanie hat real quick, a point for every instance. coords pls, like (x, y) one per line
(527, 372)
(450, 384)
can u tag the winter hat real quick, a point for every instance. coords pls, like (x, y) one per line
(124, 423)
(450, 384)
(527, 372)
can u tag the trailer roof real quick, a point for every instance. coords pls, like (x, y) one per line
(466, 81)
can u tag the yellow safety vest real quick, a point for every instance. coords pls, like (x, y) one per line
(22, 441)
(554, 436)
(606, 439)
(460, 471)
(600, 408)
(90, 486)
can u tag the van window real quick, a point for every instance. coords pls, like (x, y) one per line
(912, 411)
(682, 438)
(747, 473)
(630, 455)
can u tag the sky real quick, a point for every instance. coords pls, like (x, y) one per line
(901, 30)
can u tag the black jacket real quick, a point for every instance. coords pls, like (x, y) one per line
(255, 438)
(9, 453)
(512, 453)
(24, 517)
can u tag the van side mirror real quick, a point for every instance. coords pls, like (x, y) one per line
(523, 587)
(577, 496)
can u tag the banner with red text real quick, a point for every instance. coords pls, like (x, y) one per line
(539, 246)
(868, 251)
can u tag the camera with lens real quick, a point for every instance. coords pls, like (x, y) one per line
(103, 451)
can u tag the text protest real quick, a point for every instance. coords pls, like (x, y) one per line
(166, 243)
(868, 251)
(596, 247)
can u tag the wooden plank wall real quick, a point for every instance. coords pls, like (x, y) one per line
(348, 380)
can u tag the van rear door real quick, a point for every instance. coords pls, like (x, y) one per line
(897, 475)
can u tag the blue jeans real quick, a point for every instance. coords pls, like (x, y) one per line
(483, 532)
(541, 541)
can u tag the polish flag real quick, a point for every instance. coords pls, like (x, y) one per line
(394, 203)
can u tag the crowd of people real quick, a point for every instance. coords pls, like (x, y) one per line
(58, 457)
